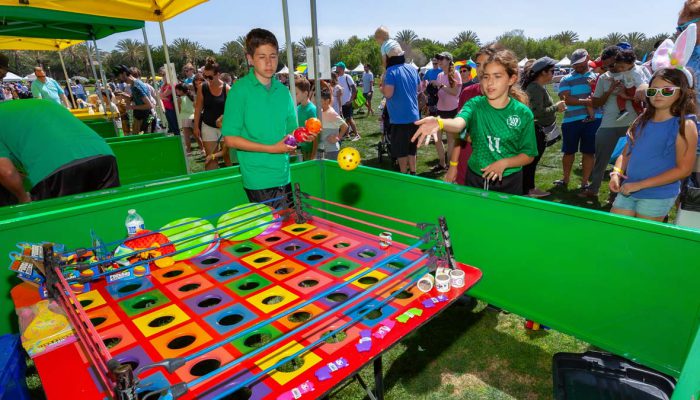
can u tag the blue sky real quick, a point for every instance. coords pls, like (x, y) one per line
(218, 21)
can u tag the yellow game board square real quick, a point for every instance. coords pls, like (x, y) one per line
(158, 321)
(298, 229)
(262, 258)
(260, 299)
(310, 359)
(378, 275)
(91, 299)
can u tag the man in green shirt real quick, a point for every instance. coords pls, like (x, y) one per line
(259, 114)
(59, 153)
(47, 88)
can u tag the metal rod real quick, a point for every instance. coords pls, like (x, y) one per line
(65, 73)
(153, 71)
(409, 223)
(94, 74)
(314, 58)
(104, 81)
(290, 54)
(449, 252)
(384, 228)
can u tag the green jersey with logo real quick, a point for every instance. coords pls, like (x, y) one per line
(498, 133)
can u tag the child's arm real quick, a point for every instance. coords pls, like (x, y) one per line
(619, 169)
(240, 143)
(685, 161)
(341, 132)
(198, 105)
(495, 170)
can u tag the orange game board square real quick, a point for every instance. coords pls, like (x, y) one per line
(103, 317)
(312, 310)
(399, 299)
(319, 236)
(120, 334)
(169, 274)
(290, 268)
(180, 340)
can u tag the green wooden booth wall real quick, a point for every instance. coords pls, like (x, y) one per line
(624, 285)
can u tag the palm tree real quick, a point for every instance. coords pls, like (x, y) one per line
(635, 38)
(187, 50)
(232, 49)
(132, 50)
(658, 37)
(307, 41)
(566, 37)
(614, 38)
(406, 37)
(464, 37)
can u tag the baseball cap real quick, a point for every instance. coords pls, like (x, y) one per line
(578, 56)
(624, 46)
(341, 65)
(542, 64)
(444, 54)
(121, 68)
(4, 61)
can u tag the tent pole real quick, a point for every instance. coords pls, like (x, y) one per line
(175, 105)
(65, 73)
(290, 54)
(153, 72)
(317, 72)
(97, 79)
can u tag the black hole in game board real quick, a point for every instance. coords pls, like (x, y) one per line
(273, 239)
(341, 245)
(243, 249)
(129, 288)
(111, 342)
(283, 271)
(299, 316)
(145, 302)
(181, 342)
(86, 302)
(337, 297)
(292, 247)
(272, 300)
(261, 260)
(231, 319)
(209, 302)
(291, 365)
(204, 367)
(366, 254)
(210, 261)
(318, 237)
(189, 287)
(257, 340)
(173, 273)
(397, 264)
(132, 364)
(240, 394)
(403, 295)
(248, 286)
(299, 229)
(161, 321)
(228, 272)
(340, 268)
(374, 314)
(368, 280)
(97, 321)
(308, 283)
(148, 395)
(336, 337)
(315, 257)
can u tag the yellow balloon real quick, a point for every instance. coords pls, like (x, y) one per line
(348, 158)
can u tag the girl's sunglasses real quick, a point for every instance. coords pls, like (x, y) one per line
(680, 28)
(667, 91)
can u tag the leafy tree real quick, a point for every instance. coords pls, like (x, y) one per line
(406, 37)
(566, 37)
(465, 37)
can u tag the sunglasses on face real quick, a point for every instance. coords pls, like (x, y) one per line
(680, 28)
(440, 58)
(209, 77)
(667, 91)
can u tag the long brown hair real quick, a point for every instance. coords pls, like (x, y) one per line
(682, 107)
(690, 10)
(451, 74)
(507, 59)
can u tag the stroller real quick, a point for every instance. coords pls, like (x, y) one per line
(384, 145)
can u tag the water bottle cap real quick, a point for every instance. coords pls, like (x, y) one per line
(132, 211)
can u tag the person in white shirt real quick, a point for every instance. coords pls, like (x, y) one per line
(349, 95)
(368, 88)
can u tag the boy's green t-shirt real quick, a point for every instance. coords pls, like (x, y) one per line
(498, 133)
(305, 112)
(43, 136)
(262, 115)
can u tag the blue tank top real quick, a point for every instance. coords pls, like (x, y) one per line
(653, 153)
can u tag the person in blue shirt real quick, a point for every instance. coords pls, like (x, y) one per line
(47, 88)
(431, 91)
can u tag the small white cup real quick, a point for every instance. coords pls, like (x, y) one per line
(442, 283)
(385, 240)
(457, 278)
(426, 283)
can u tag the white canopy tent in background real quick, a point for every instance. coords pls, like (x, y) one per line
(564, 62)
(10, 77)
(522, 62)
(360, 68)
(284, 70)
(31, 77)
(412, 64)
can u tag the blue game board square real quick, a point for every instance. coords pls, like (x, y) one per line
(365, 253)
(227, 272)
(208, 301)
(367, 320)
(314, 257)
(292, 247)
(211, 260)
(395, 265)
(122, 289)
(340, 296)
(153, 383)
(231, 318)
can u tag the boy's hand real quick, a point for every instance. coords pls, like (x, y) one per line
(427, 128)
(281, 147)
(495, 170)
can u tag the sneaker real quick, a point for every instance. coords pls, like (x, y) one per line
(355, 137)
(561, 182)
(438, 168)
(537, 193)
(584, 186)
(588, 194)
(622, 115)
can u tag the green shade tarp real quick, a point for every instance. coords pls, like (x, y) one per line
(41, 23)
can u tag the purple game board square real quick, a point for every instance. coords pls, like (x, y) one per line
(207, 301)
(291, 247)
(211, 260)
(135, 356)
(347, 291)
(259, 390)
(365, 253)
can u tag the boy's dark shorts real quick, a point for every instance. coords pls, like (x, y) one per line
(400, 136)
(263, 195)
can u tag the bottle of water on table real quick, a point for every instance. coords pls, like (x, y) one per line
(134, 223)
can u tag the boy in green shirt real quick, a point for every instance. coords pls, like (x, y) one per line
(305, 110)
(259, 114)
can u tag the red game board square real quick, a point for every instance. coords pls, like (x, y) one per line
(331, 346)
(175, 272)
(189, 286)
(272, 239)
(309, 282)
(283, 270)
(204, 364)
(341, 244)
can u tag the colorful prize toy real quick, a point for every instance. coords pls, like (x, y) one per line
(348, 158)
(290, 141)
(313, 125)
(301, 134)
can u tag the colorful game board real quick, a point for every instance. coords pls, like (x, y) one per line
(184, 308)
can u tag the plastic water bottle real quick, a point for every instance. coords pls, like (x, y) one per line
(134, 223)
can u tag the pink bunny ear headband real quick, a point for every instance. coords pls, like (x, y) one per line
(676, 55)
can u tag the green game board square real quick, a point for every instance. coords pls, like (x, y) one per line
(241, 249)
(256, 339)
(144, 302)
(248, 284)
(340, 267)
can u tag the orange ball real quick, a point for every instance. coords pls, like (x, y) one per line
(313, 125)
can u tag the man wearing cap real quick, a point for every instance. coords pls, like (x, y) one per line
(349, 95)
(140, 96)
(578, 131)
(431, 91)
(59, 153)
(47, 88)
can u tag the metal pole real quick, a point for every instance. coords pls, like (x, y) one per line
(175, 105)
(97, 79)
(65, 73)
(290, 53)
(153, 73)
(317, 73)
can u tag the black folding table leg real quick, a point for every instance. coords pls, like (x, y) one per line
(378, 378)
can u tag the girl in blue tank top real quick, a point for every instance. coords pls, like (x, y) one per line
(660, 151)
